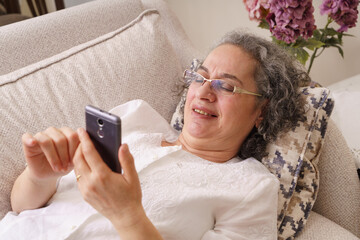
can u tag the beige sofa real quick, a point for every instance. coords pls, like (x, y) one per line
(107, 52)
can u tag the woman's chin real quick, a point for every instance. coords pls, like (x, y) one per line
(198, 131)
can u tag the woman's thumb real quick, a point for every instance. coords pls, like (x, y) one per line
(30, 145)
(127, 163)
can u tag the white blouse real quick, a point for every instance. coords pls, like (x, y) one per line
(184, 196)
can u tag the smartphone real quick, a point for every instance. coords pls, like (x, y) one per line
(104, 130)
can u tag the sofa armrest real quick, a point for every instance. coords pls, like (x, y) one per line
(339, 190)
(319, 227)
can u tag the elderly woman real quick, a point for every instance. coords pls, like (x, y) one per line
(202, 184)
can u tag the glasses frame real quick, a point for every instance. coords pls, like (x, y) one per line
(236, 89)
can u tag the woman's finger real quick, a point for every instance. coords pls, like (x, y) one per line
(81, 167)
(48, 148)
(61, 146)
(72, 139)
(90, 153)
(30, 146)
(127, 163)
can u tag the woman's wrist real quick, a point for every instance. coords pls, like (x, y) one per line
(31, 193)
(40, 182)
(136, 226)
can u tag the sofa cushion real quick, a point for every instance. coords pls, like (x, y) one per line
(135, 61)
(292, 158)
(35, 39)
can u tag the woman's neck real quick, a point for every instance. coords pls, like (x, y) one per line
(203, 149)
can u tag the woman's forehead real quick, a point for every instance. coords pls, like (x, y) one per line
(230, 59)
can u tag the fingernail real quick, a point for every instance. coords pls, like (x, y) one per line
(80, 131)
(30, 141)
(125, 147)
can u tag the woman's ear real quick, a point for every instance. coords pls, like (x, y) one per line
(263, 108)
(258, 121)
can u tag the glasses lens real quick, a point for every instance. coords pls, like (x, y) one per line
(193, 77)
(222, 87)
(219, 86)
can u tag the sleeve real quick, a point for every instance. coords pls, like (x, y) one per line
(252, 218)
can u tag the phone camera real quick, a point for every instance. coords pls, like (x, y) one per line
(100, 122)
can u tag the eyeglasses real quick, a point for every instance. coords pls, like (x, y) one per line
(221, 86)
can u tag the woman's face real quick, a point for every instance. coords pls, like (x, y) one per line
(222, 121)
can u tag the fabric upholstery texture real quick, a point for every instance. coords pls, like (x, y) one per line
(319, 227)
(339, 193)
(171, 25)
(110, 70)
(79, 24)
(292, 158)
(347, 94)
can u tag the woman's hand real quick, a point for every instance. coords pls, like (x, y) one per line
(112, 194)
(49, 153)
(116, 196)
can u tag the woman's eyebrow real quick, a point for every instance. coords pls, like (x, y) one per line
(203, 68)
(223, 75)
(230, 76)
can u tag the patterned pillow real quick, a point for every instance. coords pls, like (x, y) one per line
(292, 158)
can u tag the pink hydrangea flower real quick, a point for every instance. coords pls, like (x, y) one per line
(256, 8)
(290, 19)
(344, 12)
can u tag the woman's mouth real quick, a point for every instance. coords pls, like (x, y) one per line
(203, 112)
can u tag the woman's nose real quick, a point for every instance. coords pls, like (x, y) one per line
(206, 92)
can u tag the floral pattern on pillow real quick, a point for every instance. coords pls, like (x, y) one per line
(292, 158)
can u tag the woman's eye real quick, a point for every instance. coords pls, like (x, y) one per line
(198, 79)
(226, 86)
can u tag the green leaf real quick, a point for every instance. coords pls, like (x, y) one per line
(332, 41)
(340, 39)
(264, 24)
(301, 55)
(279, 42)
(349, 35)
(340, 50)
(317, 34)
(312, 43)
(300, 42)
(329, 31)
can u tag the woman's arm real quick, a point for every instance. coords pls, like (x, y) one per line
(48, 156)
(116, 196)
(28, 193)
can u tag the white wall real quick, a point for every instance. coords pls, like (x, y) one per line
(205, 21)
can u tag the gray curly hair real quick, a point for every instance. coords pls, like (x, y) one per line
(278, 77)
